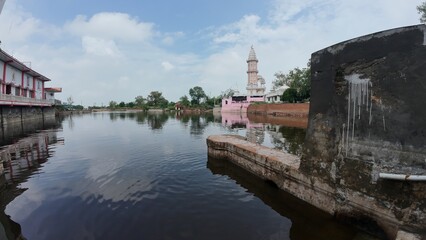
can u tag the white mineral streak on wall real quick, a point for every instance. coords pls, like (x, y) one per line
(359, 100)
(424, 37)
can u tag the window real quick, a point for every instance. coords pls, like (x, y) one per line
(9, 89)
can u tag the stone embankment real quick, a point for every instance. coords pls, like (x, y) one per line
(285, 114)
(300, 110)
(366, 129)
(354, 206)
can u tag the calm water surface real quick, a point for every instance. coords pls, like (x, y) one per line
(147, 176)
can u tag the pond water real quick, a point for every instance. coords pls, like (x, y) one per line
(133, 175)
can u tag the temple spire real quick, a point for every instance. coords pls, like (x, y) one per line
(252, 55)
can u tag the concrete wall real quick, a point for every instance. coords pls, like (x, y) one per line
(366, 117)
(21, 114)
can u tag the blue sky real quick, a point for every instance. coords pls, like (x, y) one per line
(100, 51)
(168, 15)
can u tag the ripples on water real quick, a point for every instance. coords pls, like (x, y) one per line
(147, 176)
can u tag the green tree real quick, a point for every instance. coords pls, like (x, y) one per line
(122, 104)
(70, 100)
(227, 93)
(140, 101)
(210, 102)
(156, 99)
(171, 105)
(290, 95)
(196, 93)
(280, 80)
(112, 104)
(78, 107)
(297, 79)
(301, 81)
(421, 9)
(184, 101)
(130, 105)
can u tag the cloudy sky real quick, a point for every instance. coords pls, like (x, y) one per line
(103, 50)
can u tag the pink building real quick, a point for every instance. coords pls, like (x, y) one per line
(255, 89)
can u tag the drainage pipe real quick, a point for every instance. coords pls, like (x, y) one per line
(402, 177)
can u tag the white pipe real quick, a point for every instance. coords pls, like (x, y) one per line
(402, 177)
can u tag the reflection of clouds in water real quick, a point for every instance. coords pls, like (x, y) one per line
(120, 189)
(109, 181)
(103, 169)
(168, 149)
(25, 204)
(283, 231)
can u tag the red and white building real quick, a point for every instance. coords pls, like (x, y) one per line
(22, 86)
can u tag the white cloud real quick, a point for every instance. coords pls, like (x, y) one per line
(112, 26)
(167, 65)
(100, 47)
(18, 26)
(168, 40)
(245, 29)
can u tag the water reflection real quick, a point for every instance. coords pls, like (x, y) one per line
(12, 131)
(286, 134)
(21, 160)
(137, 175)
(272, 132)
(307, 222)
(197, 122)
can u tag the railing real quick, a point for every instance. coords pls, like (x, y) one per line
(19, 100)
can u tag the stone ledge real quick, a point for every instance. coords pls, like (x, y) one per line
(283, 169)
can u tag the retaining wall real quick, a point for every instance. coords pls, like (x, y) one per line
(280, 109)
(16, 114)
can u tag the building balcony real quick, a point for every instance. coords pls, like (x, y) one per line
(11, 100)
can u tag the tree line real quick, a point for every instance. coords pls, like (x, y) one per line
(155, 100)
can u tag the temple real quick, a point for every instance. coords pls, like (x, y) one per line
(255, 88)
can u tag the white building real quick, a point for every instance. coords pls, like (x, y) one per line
(255, 89)
(21, 85)
(274, 96)
(255, 82)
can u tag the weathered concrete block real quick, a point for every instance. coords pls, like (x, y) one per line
(366, 117)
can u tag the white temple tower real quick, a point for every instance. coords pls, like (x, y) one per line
(255, 83)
